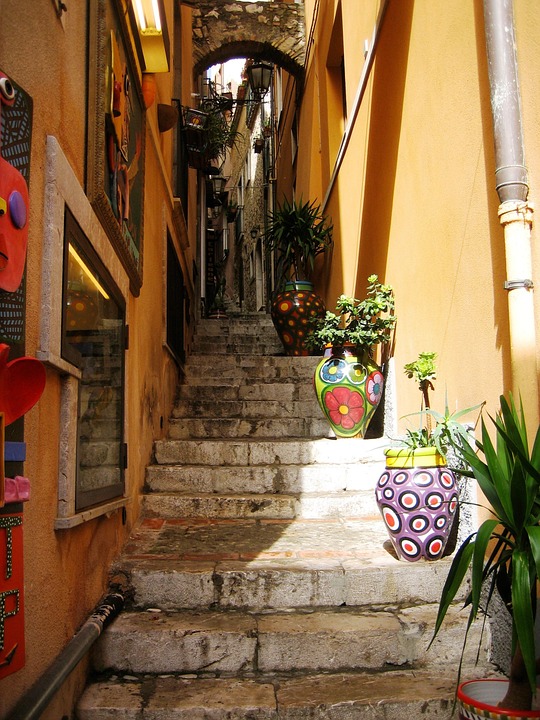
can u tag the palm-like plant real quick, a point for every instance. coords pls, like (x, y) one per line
(504, 553)
(298, 233)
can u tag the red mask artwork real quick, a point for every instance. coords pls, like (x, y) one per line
(13, 210)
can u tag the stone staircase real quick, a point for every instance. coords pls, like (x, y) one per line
(260, 583)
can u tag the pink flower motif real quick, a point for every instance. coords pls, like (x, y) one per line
(345, 407)
(374, 387)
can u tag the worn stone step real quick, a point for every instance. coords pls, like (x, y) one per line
(258, 505)
(276, 478)
(295, 427)
(249, 390)
(274, 452)
(245, 368)
(271, 564)
(243, 332)
(265, 409)
(391, 695)
(235, 345)
(270, 643)
(250, 324)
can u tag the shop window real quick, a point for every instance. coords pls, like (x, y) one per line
(93, 340)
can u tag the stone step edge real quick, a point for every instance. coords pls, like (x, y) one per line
(257, 496)
(257, 643)
(195, 582)
(366, 448)
(405, 694)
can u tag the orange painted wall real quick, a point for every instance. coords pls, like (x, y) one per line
(414, 200)
(66, 571)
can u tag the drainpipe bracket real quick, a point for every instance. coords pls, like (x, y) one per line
(516, 284)
(516, 211)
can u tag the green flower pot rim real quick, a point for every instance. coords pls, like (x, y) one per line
(298, 285)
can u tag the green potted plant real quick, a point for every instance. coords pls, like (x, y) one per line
(296, 234)
(348, 382)
(417, 494)
(208, 134)
(503, 556)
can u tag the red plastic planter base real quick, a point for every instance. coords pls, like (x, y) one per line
(478, 700)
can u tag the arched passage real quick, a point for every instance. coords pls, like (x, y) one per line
(265, 30)
(273, 32)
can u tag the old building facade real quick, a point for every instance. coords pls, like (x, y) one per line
(382, 112)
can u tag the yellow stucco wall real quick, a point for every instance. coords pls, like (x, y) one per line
(66, 571)
(414, 200)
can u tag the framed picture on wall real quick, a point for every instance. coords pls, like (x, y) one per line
(116, 131)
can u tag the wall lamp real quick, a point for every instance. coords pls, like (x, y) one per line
(152, 37)
(254, 232)
(219, 183)
(148, 17)
(259, 77)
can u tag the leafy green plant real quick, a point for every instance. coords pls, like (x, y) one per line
(438, 430)
(219, 136)
(362, 323)
(297, 233)
(504, 553)
(424, 371)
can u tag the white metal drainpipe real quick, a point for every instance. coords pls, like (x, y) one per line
(515, 212)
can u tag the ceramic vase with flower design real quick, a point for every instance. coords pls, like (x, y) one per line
(349, 388)
(417, 497)
(292, 311)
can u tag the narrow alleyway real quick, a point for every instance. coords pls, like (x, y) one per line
(259, 580)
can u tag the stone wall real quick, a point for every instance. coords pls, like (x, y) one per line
(261, 30)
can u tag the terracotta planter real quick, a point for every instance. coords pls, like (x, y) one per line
(417, 496)
(291, 313)
(478, 699)
(349, 389)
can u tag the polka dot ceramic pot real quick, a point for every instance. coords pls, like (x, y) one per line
(349, 389)
(292, 311)
(417, 496)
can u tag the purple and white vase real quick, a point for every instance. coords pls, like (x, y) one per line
(417, 496)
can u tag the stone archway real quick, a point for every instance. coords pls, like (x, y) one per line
(273, 31)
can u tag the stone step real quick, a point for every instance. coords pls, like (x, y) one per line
(391, 695)
(243, 346)
(278, 506)
(250, 390)
(180, 429)
(244, 369)
(275, 452)
(271, 564)
(250, 324)
(211, 409)
(251, 644)
(297, 480)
